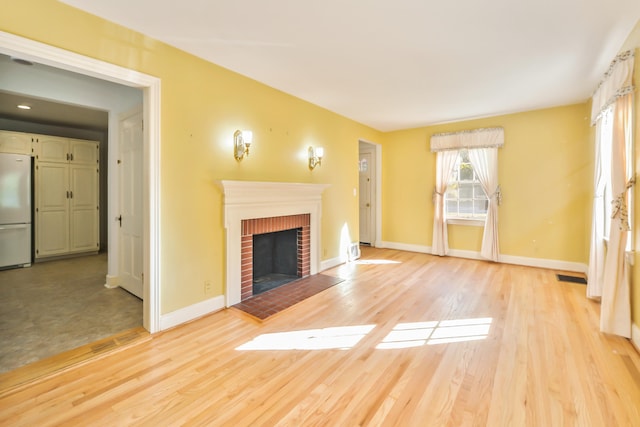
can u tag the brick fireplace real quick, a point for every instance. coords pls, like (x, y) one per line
(250, 227)
(251, 206)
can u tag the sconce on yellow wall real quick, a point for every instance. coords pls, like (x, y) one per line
(315, 157)
(242, 140)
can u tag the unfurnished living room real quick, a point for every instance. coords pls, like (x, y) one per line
(409, 213)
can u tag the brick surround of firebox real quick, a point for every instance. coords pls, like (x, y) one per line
(249, 227)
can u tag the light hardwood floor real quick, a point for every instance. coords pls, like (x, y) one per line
(407, 340)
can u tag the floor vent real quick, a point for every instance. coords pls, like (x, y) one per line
(353, 252)
(571, 279)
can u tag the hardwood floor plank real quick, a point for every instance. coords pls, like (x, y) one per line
(407, 339)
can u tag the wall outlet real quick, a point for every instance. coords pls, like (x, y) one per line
(207, 287)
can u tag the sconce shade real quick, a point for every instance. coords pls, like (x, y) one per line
(315, 157)
(241, 142)
(247, 137)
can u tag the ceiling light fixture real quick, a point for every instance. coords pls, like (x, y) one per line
(24, 107)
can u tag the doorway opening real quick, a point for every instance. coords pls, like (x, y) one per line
(83, 66)
(369, 159)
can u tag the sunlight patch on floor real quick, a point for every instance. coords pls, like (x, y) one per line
(416, 334)
(340, 337)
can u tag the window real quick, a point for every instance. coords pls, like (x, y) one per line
(465, 198)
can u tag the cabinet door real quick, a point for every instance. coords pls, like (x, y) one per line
(52, 148)
(52, 209)
(83, 152)
(15, 142)
(84, 213)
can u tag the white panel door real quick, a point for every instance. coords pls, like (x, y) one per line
(52, 213)
(84, 213)
(130, 174)
(365, 197)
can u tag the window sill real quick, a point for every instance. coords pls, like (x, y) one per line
(474, 222)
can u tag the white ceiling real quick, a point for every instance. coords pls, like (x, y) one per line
(397, 64)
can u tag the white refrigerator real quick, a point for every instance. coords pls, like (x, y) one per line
(15, 210)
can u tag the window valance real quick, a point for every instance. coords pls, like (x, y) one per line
(617, 82)
(476, 138)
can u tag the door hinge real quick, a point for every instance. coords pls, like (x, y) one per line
(142, 277)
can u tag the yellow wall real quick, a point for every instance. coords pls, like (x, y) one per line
(201, 106)
(545, 171)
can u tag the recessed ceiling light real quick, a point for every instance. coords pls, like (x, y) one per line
(24, 107)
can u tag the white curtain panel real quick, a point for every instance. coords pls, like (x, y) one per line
(485, 163)
(445, 162)
(615, 310)
(597, 252)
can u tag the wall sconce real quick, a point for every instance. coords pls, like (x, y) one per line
(315, 157)
(242, 140)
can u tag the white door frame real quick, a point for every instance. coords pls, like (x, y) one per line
(376, 198)
(13, 45)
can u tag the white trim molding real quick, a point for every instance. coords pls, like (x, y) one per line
(330, 263)
(112, 281)
(31, 50)
(405, 247)
(191, 312)
(549, 264)
(249, 200)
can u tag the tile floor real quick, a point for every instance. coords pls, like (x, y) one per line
(55, 306)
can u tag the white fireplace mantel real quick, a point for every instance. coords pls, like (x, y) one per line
(251, 199)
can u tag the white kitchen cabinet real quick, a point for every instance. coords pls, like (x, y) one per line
(15, 142)
(67, 196)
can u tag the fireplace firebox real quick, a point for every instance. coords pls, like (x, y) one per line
(275, 259)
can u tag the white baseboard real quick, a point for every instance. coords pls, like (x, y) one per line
(507, 259)
(551, 264)
(330, 263)
(191, 312)
(404, 247)
(635, 336)
(459, 253)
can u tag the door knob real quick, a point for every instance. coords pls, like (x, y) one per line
(119, 219)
